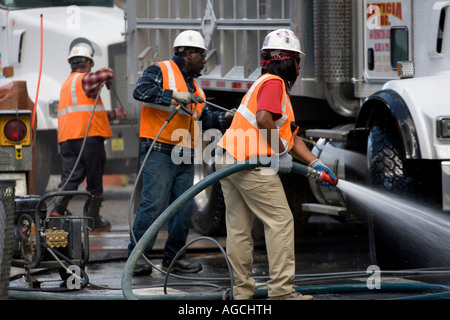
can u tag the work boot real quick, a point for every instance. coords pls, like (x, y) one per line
(60, 209)
(142, 267)
(182, 265)
(292, 296)
(93, 211)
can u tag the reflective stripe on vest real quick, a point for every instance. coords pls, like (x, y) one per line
(243, 139)
(74, 112)
(183, 128)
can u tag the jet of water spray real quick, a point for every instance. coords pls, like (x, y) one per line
(421, 229)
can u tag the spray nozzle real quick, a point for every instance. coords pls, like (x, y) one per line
(321, 176)
(327, 179)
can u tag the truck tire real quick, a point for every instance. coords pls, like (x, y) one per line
(387, 171)
(387, 167)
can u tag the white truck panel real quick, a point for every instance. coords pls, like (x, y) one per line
(20, 44)
(58, 33)
(428, 100)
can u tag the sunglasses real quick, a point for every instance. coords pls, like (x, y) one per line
(203, 53)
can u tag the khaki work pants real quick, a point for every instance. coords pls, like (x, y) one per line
(251, 193)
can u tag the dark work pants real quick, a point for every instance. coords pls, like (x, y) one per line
(91, 165)
(163, 182)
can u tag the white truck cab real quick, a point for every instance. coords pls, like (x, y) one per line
(23, 24)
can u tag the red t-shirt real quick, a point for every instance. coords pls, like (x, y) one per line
(269, 98)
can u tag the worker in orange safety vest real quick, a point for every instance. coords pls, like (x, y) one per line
(162, 88)
(264, 127)
(81, 114)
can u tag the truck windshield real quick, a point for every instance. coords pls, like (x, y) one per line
(54, 3)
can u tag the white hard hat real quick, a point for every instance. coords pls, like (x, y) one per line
(190, 38)
(81, 47)
(282, 39)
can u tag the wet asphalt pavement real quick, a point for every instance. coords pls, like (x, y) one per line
(328, 253)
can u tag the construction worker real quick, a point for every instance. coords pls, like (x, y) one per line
(80, 95)
(163, 86)
(266, 114)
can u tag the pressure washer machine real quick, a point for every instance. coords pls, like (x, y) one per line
(41, 241)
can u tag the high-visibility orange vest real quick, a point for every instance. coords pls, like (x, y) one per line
(75, 109)
(183, 129)
(243, 140)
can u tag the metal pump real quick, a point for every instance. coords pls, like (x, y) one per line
(37, 236)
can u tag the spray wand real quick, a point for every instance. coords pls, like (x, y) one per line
(320, 176)
(216, 106)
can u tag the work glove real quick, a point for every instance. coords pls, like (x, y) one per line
(230, 114)
(121, 113)
(284, 164)
(318, 165)
(197, 99)
(184, 98)
(118, 113)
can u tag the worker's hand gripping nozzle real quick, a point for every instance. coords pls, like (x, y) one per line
(321, 177)
(326, 178)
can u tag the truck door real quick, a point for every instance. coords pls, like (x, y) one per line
(387, 38)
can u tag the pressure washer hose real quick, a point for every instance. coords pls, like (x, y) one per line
(422, 291)
(436, 291)
(153, 230)
(433, 291)
(33, 122)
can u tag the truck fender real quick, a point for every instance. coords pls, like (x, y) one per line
(388, 103)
